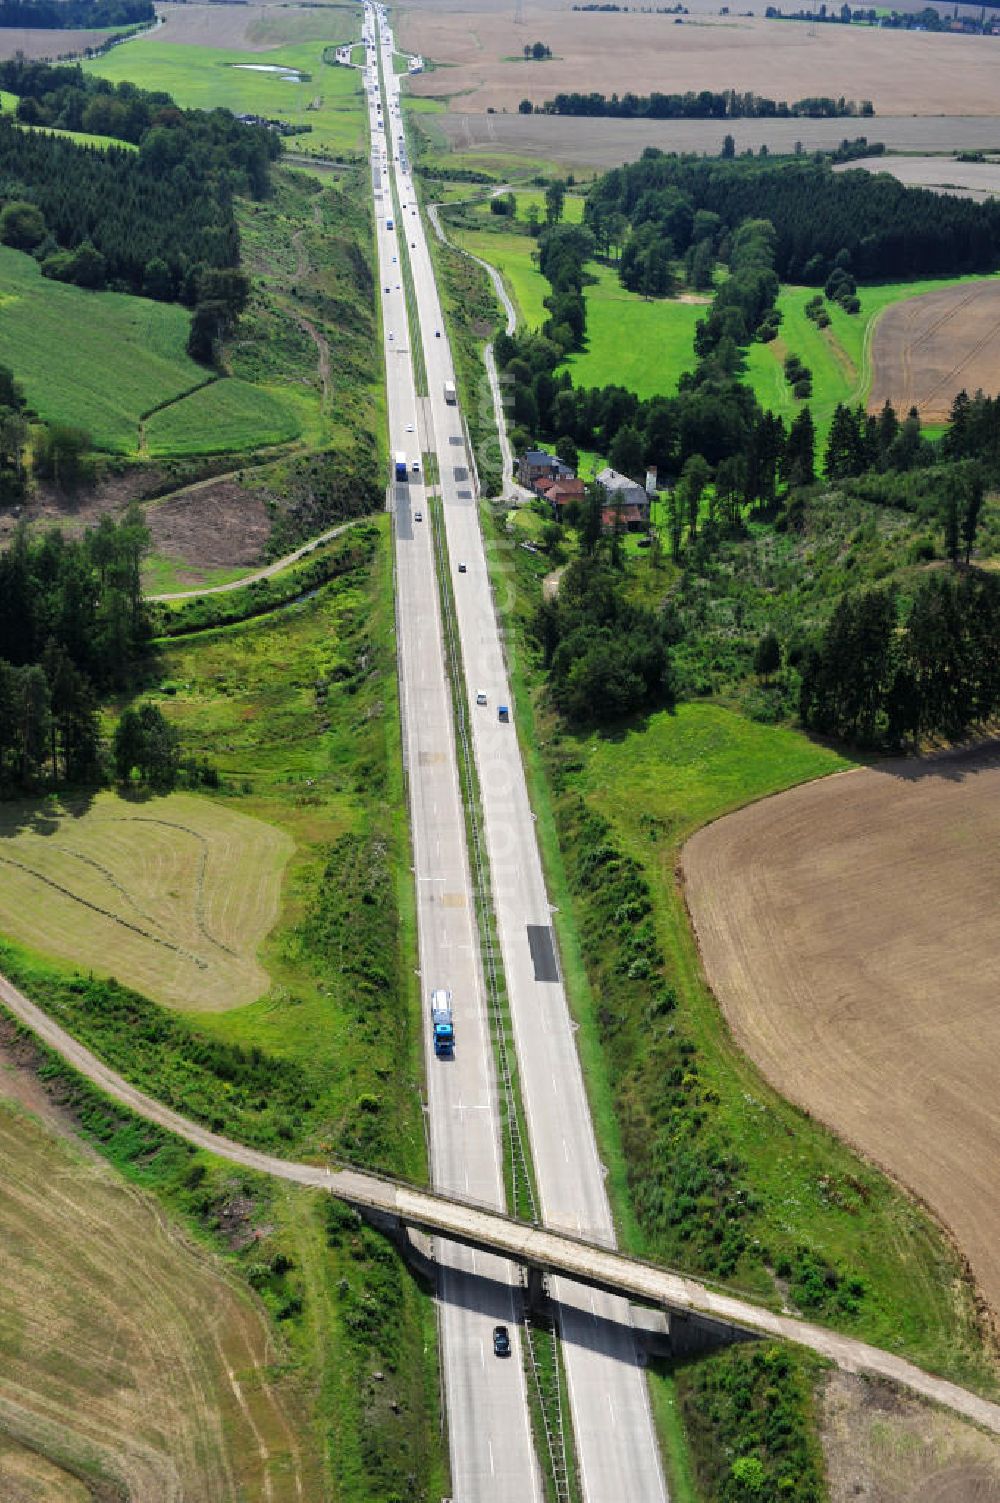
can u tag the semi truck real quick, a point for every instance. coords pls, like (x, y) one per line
(401, 466)
(450, 394)
(442, 1023)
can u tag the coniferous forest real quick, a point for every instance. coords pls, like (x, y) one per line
(72, 15)
(155, 218)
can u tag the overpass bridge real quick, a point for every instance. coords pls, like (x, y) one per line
(397, 1207)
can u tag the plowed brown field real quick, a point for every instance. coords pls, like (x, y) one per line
(926, 349)
(903, 73)
(849, 930)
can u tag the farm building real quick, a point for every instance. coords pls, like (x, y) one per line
(536, 464)
(558, 492)
(626, 496)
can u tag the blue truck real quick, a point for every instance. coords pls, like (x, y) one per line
(442, 1023)
(400, 463)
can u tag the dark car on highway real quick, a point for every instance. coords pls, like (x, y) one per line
(501, 1341)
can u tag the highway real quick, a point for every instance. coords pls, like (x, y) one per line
(615, 1440)
(491, 1449)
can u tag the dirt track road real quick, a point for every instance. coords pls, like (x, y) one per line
(275, 568)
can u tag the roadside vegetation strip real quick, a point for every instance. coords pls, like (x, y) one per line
(228, 605)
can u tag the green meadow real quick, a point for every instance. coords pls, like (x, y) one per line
(101, 360)
(330, 99)
(224, 417)
(642, 344)
(838, 356)
(95, 360)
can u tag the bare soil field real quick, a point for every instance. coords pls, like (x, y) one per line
(978, 180)
(172, 895)
(848, 930)
(217, 525)
(599, 144)
(37, 43)
(886, 1447)
(926, 349)
(127, 1357)
(901, 72)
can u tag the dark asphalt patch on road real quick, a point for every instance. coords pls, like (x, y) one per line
(543, 952)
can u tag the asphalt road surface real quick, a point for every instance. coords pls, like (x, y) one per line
(492, 1455)
(612, 1421)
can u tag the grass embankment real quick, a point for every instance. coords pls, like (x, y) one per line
(327, 98)
(298, 711)
(224, 417)
(311, 324)
(711, 1170)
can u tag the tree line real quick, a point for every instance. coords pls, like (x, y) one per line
(706, 104)
(878, 681)
(868, 225)
(72, 625)
(75, 15)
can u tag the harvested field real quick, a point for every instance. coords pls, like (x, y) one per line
(600, 144)
(255, 28)
(901, 72)
(927, 349)
(886, 1447)
(130, 1365)
(37, 43)
(172, 895)
(978, 180)
(847, 929)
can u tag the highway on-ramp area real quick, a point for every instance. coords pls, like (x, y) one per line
(615, 1440)
(492, 1454)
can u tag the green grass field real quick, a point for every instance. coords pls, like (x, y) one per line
(645, 345)
(100, 360)
(225, 417)
(97, 360)
(572, 205)
(511, 254)
(330, 100)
